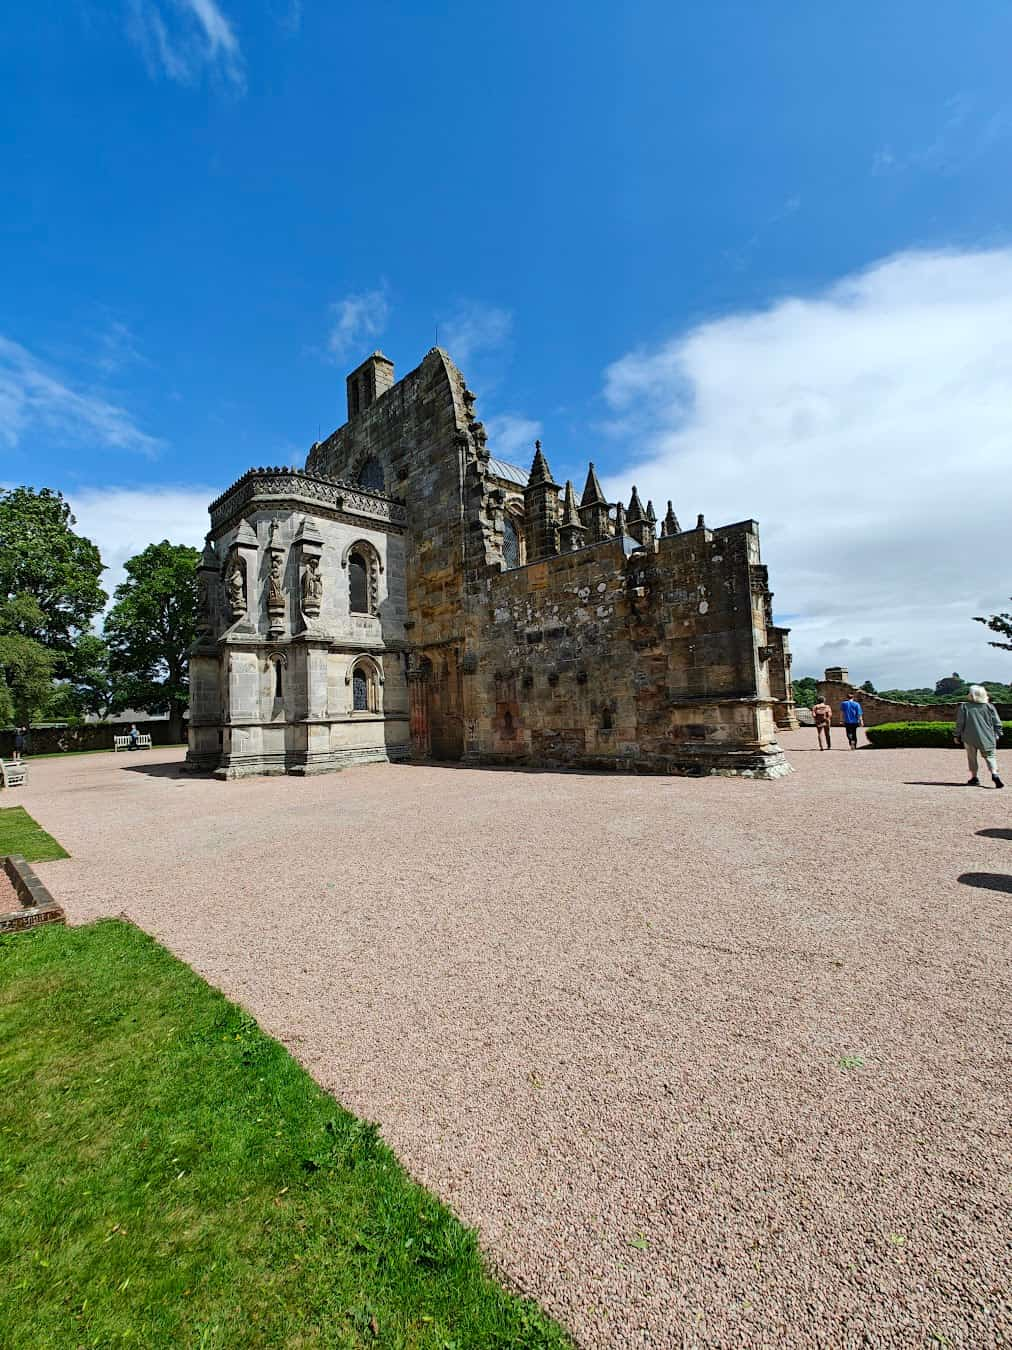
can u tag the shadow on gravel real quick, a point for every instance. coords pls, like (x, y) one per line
(990, 881)
(995, 834)
(170, 769)
(922, 782)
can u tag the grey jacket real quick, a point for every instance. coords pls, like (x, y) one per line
(978, 724)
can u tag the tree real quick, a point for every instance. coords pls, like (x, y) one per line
(868, 687)
(998, 623)
(49, 576)
(150, 629)
(26, 678)
(92, 687)
(806, 691)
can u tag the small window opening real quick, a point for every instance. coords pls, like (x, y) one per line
(510, 544)
(606, 719)
(358, 584)
(278, 687)
(354, 398)
(360, 691)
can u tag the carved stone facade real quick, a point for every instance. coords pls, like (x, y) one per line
(432, 600)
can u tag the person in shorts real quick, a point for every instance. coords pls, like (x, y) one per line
(823, 715)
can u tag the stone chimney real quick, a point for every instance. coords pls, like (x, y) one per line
(837, 675)
(365, 385)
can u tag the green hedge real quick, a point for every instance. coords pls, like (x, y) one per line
(904, 735)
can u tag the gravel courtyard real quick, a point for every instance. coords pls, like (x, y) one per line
(708, 1062)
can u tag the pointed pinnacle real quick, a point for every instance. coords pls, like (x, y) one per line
(540, 472)
(619, 518)
(651, 513)
(671, 525)
(570, 515)
(635, 511)
(592, 494)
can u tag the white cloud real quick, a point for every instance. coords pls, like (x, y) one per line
(122, 521)
(512, 437)
(357, 321)
(33, 397)
(184, 38)
(868, 429)
(474, 329)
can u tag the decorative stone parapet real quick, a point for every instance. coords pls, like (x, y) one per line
(37, 905)
(310, 489)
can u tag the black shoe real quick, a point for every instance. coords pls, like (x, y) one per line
(973, 782)
(996, 780)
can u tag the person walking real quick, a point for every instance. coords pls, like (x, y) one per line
(978, 728)
(853, 717)
(20, 743)
(823, 715)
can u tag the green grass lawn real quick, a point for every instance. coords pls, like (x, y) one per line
(171, 1177)
(19, 833)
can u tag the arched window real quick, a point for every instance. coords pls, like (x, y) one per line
(365, 682)
(510, 543)
(279, 689)
(358, 584)
(370, 474)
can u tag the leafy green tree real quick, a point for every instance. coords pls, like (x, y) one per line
(998, 623)
(150, 629)
(49, 575)
(868, 687)
(806, 691)
(26, 678)
(92, 687)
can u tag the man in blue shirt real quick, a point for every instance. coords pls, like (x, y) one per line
(853, 717)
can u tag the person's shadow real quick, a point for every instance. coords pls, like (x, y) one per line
(995, 834)
(990, 881)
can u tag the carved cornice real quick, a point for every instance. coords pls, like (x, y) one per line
(326, 496)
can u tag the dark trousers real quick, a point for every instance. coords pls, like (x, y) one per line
(851, 730)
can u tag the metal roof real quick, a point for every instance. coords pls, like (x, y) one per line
(511, 473)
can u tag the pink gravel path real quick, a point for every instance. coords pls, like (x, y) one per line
(708, 1062)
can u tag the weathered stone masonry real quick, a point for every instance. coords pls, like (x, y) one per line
(517, 624)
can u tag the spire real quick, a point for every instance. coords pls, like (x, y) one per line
(571, 529)
(651, 513)
(635, 511)
(670, 523)
(540, 472)
(700, 522)
(592, 494)
(619, 519)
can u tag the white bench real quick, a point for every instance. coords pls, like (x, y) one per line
(13, 772)
(143, 742)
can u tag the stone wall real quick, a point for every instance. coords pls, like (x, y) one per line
(88, 736)
(613, 656)
(836, 687)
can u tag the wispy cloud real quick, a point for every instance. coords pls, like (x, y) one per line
(474, 329)
(32, 397)
(185, 39)
(512, 437)
(867, 429)
(356, 321)
(965, 130)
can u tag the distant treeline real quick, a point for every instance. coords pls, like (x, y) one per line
(949, 689)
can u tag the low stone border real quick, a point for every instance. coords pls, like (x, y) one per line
(37, 905)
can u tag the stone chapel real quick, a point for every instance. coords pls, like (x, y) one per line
(408, 595)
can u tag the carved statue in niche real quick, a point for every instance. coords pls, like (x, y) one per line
(312, 586)
(235, 588)
(275, 594)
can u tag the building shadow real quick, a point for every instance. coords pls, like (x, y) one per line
(995, 834)
(166, 769)
(990, 881)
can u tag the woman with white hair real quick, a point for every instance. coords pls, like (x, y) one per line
(978, 728)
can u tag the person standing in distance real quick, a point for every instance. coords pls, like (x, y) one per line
(823, 715)
(978, 728)
(853, 717)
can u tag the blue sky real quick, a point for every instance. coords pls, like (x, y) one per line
(627, 223)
